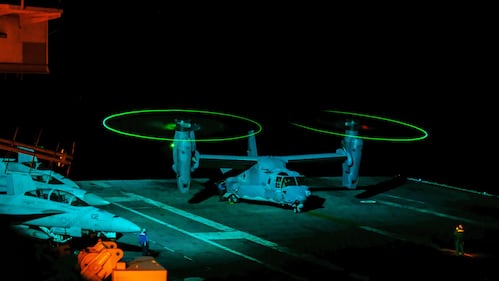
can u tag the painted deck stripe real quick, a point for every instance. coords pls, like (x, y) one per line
(233, 233)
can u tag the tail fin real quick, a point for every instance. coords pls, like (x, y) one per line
(252, 144)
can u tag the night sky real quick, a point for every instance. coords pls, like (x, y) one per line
(272, 64)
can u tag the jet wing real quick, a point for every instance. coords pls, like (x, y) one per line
(227, 161)
(7, 209)
(15, 214)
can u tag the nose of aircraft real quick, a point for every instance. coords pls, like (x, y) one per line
(298, 193)
(95, 200)
(123, 225)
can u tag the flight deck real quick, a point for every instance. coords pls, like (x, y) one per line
(387, 228)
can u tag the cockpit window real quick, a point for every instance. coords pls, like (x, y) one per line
(75, 201)
(56, 196)
(300, 180)
(287, 181)
(283, 181)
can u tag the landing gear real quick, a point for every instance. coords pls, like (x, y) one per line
(233, 199)
(183, 184)
(297, 207)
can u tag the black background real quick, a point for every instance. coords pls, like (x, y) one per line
(427, 66)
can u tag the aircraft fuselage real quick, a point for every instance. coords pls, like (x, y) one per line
(269, 180)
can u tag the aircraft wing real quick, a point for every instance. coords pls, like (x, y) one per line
(227, 161)
(243, 162)
(340, 155)
(20, 214)
(9, 209)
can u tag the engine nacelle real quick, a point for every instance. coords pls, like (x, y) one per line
(185, 155)
(353, 148)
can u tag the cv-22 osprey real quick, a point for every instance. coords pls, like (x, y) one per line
(262, 178)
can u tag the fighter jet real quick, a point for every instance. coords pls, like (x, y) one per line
(39, 164)
(53, 213)
(45, 178)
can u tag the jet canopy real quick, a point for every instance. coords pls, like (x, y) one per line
(56, 195)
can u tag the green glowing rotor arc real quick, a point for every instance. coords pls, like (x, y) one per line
(170, 126)
(423, 132)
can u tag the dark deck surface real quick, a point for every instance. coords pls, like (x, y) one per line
(387, 229)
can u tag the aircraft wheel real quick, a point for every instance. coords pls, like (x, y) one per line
(233, 199)
(297, 207)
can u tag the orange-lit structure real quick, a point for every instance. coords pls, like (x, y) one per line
(62, 158)
(24, 38)
(102, 260)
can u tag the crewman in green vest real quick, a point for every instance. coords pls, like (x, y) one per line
(459, 240)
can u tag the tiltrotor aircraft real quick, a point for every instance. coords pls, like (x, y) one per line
(262, 178)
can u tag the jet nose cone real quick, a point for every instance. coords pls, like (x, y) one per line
(95, 200)
(124, 226)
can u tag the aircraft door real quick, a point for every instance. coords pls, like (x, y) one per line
(278, 189)
(270, 188)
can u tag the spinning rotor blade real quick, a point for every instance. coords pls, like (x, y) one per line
(202, 126)
(161, 124)
(364, 126)
(186, 125)
(347, 124)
